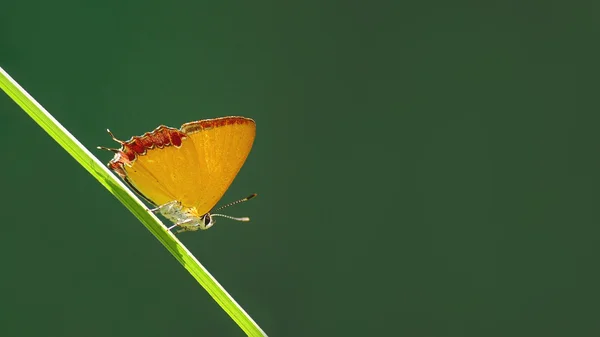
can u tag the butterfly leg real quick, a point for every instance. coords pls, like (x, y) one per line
(179, 224)
(163, 206)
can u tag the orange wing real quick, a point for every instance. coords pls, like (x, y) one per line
(194, 165)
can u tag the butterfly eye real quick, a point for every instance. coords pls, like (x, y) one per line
(207, 220)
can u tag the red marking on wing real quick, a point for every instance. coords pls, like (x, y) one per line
(175, 138)
(206, 124)
(138, 146)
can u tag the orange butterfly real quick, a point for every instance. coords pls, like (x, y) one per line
(186, 171)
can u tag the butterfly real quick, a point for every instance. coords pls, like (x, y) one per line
(184, 172)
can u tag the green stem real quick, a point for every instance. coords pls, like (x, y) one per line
(130, 200)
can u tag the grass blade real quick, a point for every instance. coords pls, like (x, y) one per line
(130, 200)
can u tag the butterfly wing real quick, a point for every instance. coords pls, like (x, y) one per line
(194, 165)
(222, 146)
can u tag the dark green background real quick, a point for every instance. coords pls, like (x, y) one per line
(423, 169)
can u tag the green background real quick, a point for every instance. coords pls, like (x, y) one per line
(423, 169)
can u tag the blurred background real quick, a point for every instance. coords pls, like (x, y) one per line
(423, 169)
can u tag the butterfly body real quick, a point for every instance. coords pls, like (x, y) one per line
(187, 219)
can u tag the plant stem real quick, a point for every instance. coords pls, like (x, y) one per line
(130, 200)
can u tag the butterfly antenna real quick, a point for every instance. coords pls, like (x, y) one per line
(235, 203)
(244, 219)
